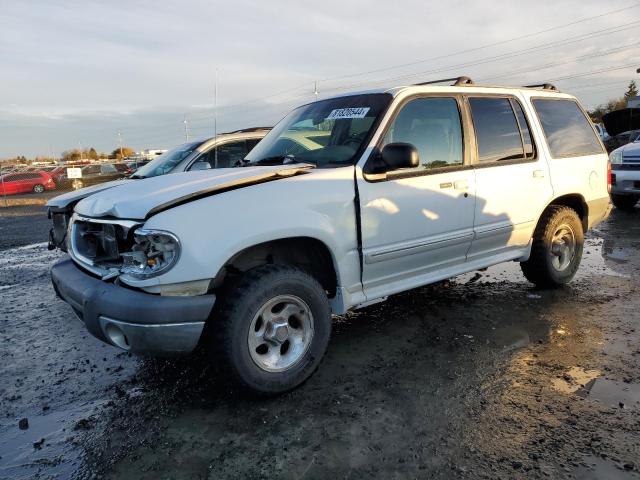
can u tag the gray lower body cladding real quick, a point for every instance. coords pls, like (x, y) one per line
(132, 320)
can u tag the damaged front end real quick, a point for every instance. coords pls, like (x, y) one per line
(110, 248)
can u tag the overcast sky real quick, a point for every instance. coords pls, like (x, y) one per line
(75, 72)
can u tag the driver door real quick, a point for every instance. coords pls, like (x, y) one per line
(418, 222)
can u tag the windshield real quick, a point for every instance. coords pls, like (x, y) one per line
(166, 162)
(328, 133)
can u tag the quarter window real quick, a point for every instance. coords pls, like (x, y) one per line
(432, 125)
(524, 128)
(497, 132)
(566, 128)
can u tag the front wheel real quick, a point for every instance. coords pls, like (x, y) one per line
(271, 329)
(77, 184)
(557, 248)
(38, 188)
(626, 203)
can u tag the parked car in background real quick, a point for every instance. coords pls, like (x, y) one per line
(625, 176)
(222, 151)
(24, 182)
(135, 165)
(623, 126)
(99, 173)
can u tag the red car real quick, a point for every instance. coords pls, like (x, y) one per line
(22, 182)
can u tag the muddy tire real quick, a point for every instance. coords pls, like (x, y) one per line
(557, 248)
(39, 188)
(626, 203)
(271, 329)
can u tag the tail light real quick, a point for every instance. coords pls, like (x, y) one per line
(609, 176)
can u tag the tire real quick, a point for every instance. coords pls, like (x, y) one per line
(547, 268)
(251, 348)
(625, 203)
(77, 184)
(38, 188)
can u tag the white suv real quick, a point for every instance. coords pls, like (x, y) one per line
(345, 202)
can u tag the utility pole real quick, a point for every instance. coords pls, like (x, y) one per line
(120, 143)
(80, 148)
(186, 128)
(215, 119)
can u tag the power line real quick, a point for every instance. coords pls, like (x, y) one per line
(475, 49)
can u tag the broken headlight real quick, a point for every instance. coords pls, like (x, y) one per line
(153, 253)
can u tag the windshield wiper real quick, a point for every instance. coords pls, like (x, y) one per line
(137, 177)
(275, 160)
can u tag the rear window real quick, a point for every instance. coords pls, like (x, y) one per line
(566, 128)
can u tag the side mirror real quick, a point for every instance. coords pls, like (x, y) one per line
(400, 155)
(200, 166)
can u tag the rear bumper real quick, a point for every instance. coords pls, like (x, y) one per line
(599, 210)
(626, 182)
(131, 320)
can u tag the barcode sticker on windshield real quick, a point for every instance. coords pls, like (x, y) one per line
(339, 113)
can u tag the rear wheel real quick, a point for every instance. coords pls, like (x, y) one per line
(271, 329)
(38, 188)
(625, 202)
(557, 248)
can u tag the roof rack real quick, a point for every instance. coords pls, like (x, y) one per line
(457, 81)
(543, 86)
(251, 129)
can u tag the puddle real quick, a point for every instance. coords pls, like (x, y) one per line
(613, 393)
(589, 384)
(511, 338)
(574, 379)
(601, 469)
(592, 263)
(23, 453)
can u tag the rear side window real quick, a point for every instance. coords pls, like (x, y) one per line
(566, 128)
(497, 131)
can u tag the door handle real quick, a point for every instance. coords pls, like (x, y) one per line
(461, 185)
(538, 174)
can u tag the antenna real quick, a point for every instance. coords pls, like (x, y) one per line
(186, 128)
(120, 143)
(315, 90)
(215, 119)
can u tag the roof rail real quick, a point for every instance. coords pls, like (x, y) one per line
(543, 86)
(457, 81)
(251, 129)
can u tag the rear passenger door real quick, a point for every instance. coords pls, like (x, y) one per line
(512, 177)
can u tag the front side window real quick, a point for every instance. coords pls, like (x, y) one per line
(497, 132)
(226, 155)
(107, 169)
(566, 128)
(433, 126)
(328, 133)
(166, 162)
(91, 170)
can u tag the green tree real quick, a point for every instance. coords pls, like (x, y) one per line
(126, 152)
(632, 90)
(92, 154)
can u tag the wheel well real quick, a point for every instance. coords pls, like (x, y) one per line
(306, 253)
(576, 202)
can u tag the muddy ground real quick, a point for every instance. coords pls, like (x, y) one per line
(480, 377)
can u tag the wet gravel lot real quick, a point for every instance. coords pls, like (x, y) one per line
(480, 377)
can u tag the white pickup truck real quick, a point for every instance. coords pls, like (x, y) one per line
(346, 201)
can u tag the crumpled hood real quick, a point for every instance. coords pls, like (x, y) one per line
(140, 199)
(64, 200)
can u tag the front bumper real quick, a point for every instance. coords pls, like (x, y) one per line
(134, 321)
(626, 182)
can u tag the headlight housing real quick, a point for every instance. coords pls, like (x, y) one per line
(616, 157)
(154, 252)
